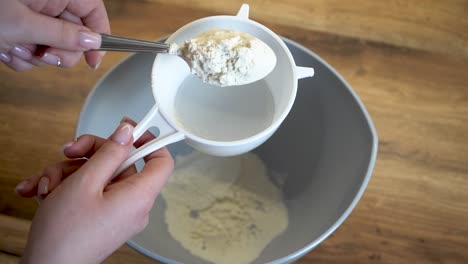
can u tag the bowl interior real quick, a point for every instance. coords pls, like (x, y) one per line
(322, 154)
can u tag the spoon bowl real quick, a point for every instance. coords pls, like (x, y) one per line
(219, 57)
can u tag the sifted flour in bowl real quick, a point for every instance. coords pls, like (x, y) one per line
(223, 210)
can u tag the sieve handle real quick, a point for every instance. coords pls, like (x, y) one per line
(304, 72)
(244, 11)
(167, 135)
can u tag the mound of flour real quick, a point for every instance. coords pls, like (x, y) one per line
(223, 210)
(226, 57)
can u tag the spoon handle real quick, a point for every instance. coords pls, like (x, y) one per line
(116, 43)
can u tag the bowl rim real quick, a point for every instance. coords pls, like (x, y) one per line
(300, 252)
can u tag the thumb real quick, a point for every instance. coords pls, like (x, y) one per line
(100, 168)
(57, 33)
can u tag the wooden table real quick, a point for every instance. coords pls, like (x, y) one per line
(407, 60)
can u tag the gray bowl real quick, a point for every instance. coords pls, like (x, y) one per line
(327, 147)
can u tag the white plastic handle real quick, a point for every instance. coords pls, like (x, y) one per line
(304, 72)
(167, 135)
(243, 11)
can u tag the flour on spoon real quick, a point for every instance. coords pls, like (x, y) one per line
(226, 57)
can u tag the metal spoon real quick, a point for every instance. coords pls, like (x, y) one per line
(116, 43)
(259, 61)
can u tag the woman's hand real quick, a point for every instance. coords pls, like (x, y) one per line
(87, 214)
(68, 27)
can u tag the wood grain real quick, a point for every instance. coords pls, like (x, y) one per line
(415, 207)
(429, 25)
(13, 234)
(8, 259)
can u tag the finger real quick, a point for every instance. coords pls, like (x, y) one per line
(68, 16)
(50, 8)
(100, 168)
(94, 17)
(28, 187)
(141, 189)
(56, 173)
(5, 57)
(160, 153)
(25, 52)
(60, 57)
(148, 183)
(86, 145)
(21, 52)
(18, 64)
(56, 32)
(124, 174)
(145, 138)
(98, 21)
(49, 179)
(37, 62)
(94, 59)
(83, 147)
(158, 168)
(144, 186)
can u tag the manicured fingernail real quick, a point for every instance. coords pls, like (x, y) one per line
(123, 134)
(22, 186)
(22, 52)
(38, 62)
(95, 67)
(90, 40)
(5, 57)
(43, 186)
(124, 119)
(66, 145)
(51, 59)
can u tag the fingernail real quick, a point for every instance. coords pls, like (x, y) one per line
(90, 40)
(95, 67)
(123, 134)
(38, 62)
(43, 186)
(124, 119)
(51, 59)
(22, 186)
(22, 52)
(4, 57)
(66, 145)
